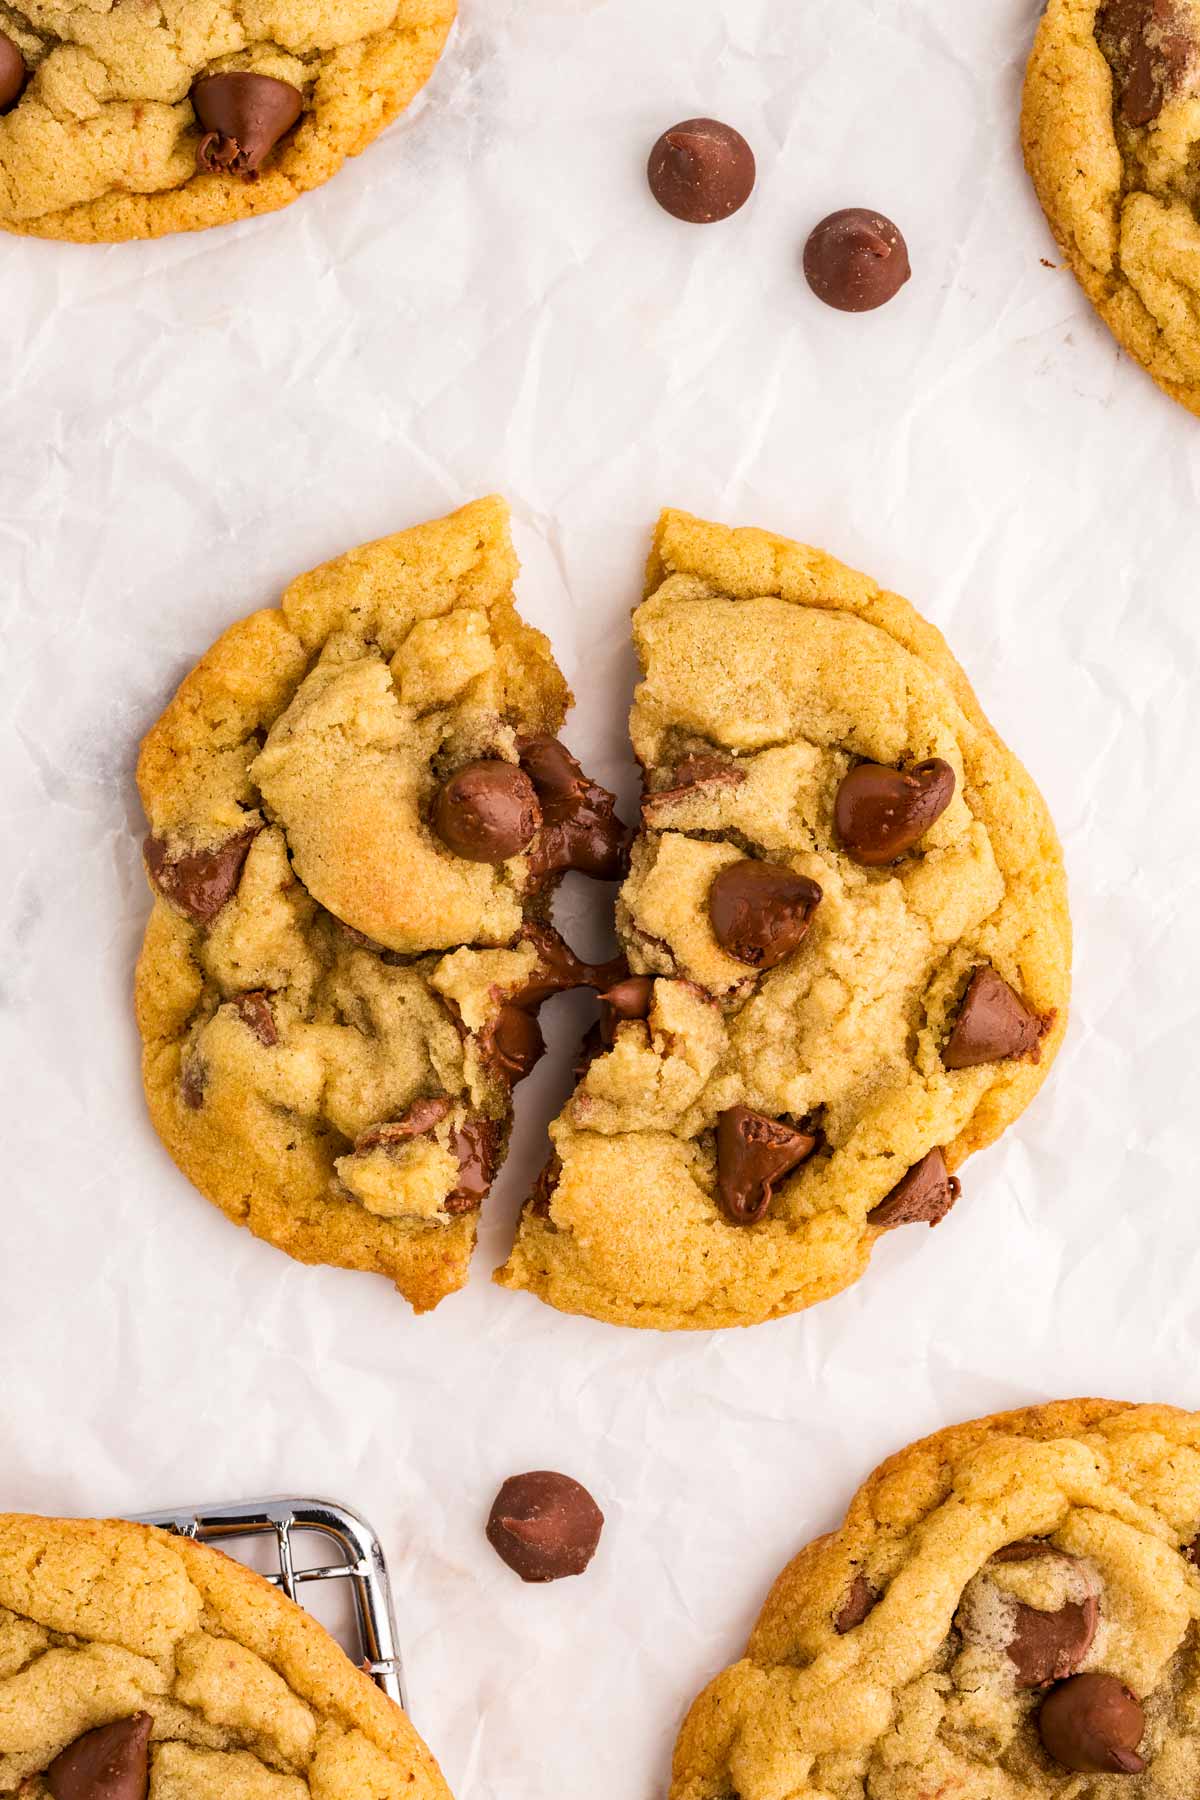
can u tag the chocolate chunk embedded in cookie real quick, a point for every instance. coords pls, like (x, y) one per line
(846, 913)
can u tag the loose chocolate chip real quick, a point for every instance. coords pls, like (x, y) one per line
(1093, 1724)
(580, 828)
(760, 912)
(200, 881)
(1049, 1646)
(110, 1763)
(993, 1025)
(922, 1197)
(881, 812)
(1149, 48)
(487, 812)
(254, 1010)
(856, 260)
(701, 171)
(544, 1525)
(475, 1143)
(753, 1153)
(243, 117)
(861, 1600)
(13, 73)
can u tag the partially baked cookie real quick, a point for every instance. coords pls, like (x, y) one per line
(1111, 130)
(358, 813)
(1009, 1611)
(138, 1666)
(848, 946)
(123, 120)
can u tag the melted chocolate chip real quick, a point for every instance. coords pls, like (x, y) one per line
(699, 771)
(254, 1010)
(856, 260)
(701, 171)
(630, 998)
(13, 73)
(512, 1042)
(487, 812)
(475, 1143)
(1048, 1646)
(922, 1197)
(760, 912)
(753, 1153)
(243, 117)
(542, 1193)
(200, 881)
(1149, 48)
(1093, 1724)
(110, 1763)
(420, 1118)
(881, 812)
(544, 1525)
(580, 828)
(993, 1025)
(861, 1600)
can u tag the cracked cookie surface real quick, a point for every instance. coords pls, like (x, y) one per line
(334, 1003)
(1111, 133)
(102, 139)
(847, 928)
(215, 1686)
(1008, 1611)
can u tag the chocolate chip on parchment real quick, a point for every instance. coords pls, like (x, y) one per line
(993, 1025)
(701, 171)
(487, 811)
(199, 882)
(13, 73)
(1093, 1724)
(110, 1763)
(243, 116)
(753, 1153)
(544, 1525)
(760, 912)
(922, 1197)
(856, 260)
(881, 812)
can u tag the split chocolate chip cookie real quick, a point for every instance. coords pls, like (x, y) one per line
(137, 1666)
(847, 940)
(1010, 1611)
(122, 119)
(359, 810)
(1111, 128)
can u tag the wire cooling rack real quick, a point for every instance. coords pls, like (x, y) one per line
(359, 1571)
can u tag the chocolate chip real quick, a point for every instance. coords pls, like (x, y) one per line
(699, 771)
(243, 117)
(200, 881)
(1192, 1552)
(193, 1081)
(580, 828)
(760, 912)
(1048, 1646)
(110, 1763)
(475, 1143)
(512, 1042)
(1149, 47)
(701, 171)
(922, 1197)
(881, 812)
(861, 1600)
(254, 1010)
(753, 1153)
(630, 998)
(420, 1118)
(542, 1193)
(993, 1025)
(856, 260)
(487, 812)
(13, 73)
(544, 1525)
(1093, 1724)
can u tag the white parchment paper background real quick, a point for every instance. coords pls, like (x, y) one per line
(489, 299)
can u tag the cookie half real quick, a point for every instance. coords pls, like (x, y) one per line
(1009, 1611)
(848, 947)
(133, 1663)
(359, 810)
(130, 121)
(1111, 132)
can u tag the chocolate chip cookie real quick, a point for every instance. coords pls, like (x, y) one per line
(1010, 1610)
(848, 950)
(137, 1666)
(359, 810)
(1111, 129)
(128, 120)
